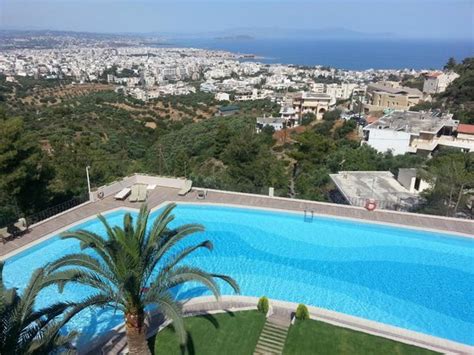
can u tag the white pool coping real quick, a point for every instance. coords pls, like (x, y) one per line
(336, 318)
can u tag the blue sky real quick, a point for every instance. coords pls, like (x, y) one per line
(405, 18)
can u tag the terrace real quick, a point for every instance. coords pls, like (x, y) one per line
(167, 191)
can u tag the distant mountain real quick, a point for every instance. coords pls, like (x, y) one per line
(244, 33)
(277, 32)
(235, 38)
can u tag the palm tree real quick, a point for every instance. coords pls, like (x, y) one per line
(134, 267)
(24, 330)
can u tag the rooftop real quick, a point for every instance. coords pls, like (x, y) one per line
(286, 110)
(466, 128)
(313, 96)
(229, 108)
(381, 87)
(269, 120)
(413, 122)
(377, 185)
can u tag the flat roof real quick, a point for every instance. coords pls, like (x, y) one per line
(395, 90)
(378, 185)
(413, 122)
(269, 120)
(466, 128)
(229, 108)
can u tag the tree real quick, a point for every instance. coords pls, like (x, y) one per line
(133, 267)
(332, 115)
(451, 174)
(308, 117)
(451, 64)
(26, 330)
(24, 175)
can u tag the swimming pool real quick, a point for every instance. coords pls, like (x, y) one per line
(407, 278)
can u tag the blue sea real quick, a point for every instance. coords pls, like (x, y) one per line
(358, 54)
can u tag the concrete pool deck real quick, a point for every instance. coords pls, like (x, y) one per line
(163, 194)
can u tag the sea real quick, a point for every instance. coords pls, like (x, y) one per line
(355, 54)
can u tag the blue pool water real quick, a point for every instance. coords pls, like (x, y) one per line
(416, 280)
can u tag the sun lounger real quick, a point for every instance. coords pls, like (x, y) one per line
(21, 225)
(134, 193)
(142, 193)
(4, 235)
(202, 194)
(188, 184)
(123, 194)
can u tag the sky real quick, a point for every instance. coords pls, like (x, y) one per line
(446, 19)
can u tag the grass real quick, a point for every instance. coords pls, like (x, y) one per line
(225, 333)
(314, 337)
(238, 333)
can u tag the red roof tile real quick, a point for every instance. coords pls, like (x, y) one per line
(466, 128)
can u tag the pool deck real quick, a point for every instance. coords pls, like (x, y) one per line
(161, 195)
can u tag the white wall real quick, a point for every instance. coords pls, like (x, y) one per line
(384, 140)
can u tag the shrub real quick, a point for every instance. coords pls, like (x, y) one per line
(308, 118)
(302, 312)
(263, 305)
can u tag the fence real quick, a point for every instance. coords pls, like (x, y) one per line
(401, 204)
(50, 212)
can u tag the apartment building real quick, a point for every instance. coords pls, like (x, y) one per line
(415, 132)
(314, 103)
(390, 95)
(437, 82)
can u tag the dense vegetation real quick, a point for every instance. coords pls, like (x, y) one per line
(45, 145)
(459, 96)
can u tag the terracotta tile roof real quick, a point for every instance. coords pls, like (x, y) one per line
(371, 119)
(466, 128)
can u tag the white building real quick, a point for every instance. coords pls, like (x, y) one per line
(222, 96)
(277, 123)
(318, 104)
(437, 82)
(414, 132)
(382, 187)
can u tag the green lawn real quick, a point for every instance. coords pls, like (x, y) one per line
(227, 333)
(313, 337)
(238, 333)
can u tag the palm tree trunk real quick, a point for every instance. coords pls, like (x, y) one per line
(136, 334)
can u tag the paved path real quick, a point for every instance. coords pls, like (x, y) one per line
(166, 194)
(273, 337)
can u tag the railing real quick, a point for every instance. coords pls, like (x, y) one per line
(52, 211)
(308, 215)
(401, 204)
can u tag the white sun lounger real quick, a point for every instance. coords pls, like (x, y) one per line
(134, 193)
(123, 194)
(4, 235)
(142, 193)
(188, 184)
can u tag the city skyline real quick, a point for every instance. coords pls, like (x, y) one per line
(395, 19)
